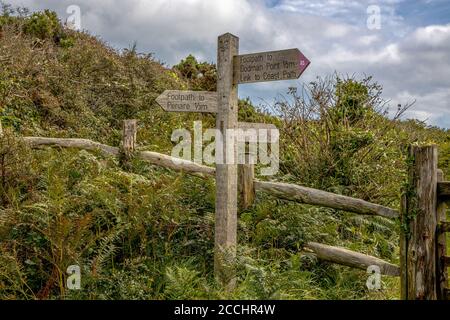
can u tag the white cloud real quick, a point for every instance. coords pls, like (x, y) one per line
(411, 63)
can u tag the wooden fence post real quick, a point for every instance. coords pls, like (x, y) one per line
(226, 168)
(246, 187)
(419, 223)
(129, 138)
(441, 246)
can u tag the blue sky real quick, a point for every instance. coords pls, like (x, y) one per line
(409, 54)
(423, 13)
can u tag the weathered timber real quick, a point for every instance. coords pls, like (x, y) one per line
(176, 164)
(441, 245)
(226, 167)
(72, 143)
(323, 198)
(129, 131)
(283, 190)
(350, 258)
(246, 177)
(152, 157)
(269, 66)
(403, 248)
(419, 224)
(188, 101)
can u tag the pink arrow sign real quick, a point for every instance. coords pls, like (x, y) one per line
(269, 66)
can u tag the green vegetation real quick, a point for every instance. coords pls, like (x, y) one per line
(200, 75)
(145, 232)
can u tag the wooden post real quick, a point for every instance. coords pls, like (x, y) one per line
(226, 169)
(419, 223)
(441, 246)
(246, 187)
(129, 138)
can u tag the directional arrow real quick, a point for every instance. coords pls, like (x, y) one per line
(269, 66)
(188, 101)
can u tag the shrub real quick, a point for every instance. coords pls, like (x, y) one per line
(201, 75)
(43, 25)
(16, 168)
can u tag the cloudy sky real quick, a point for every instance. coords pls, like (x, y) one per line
(408, 52)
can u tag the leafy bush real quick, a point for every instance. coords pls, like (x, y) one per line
(17, 174)
(43, 25)
(201, 75)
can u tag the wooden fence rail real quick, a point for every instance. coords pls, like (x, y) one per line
(152, 157)
(424, 263)
(85, 144)
(283, 190)
(325, 199)
(351, 259)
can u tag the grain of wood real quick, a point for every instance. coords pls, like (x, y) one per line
(176, 164)
(403, 248)
(129, 131)
(269, 66)
(72, 143)
(152, 157)
(420, 218)
(246, 187)
(441, 246)
(226, 170)
(350, 258)
(283, 190)
(323, 198)
(188, 101)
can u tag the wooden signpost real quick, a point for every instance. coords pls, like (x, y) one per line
(232, 69)
(269, 66)
(188, 101)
